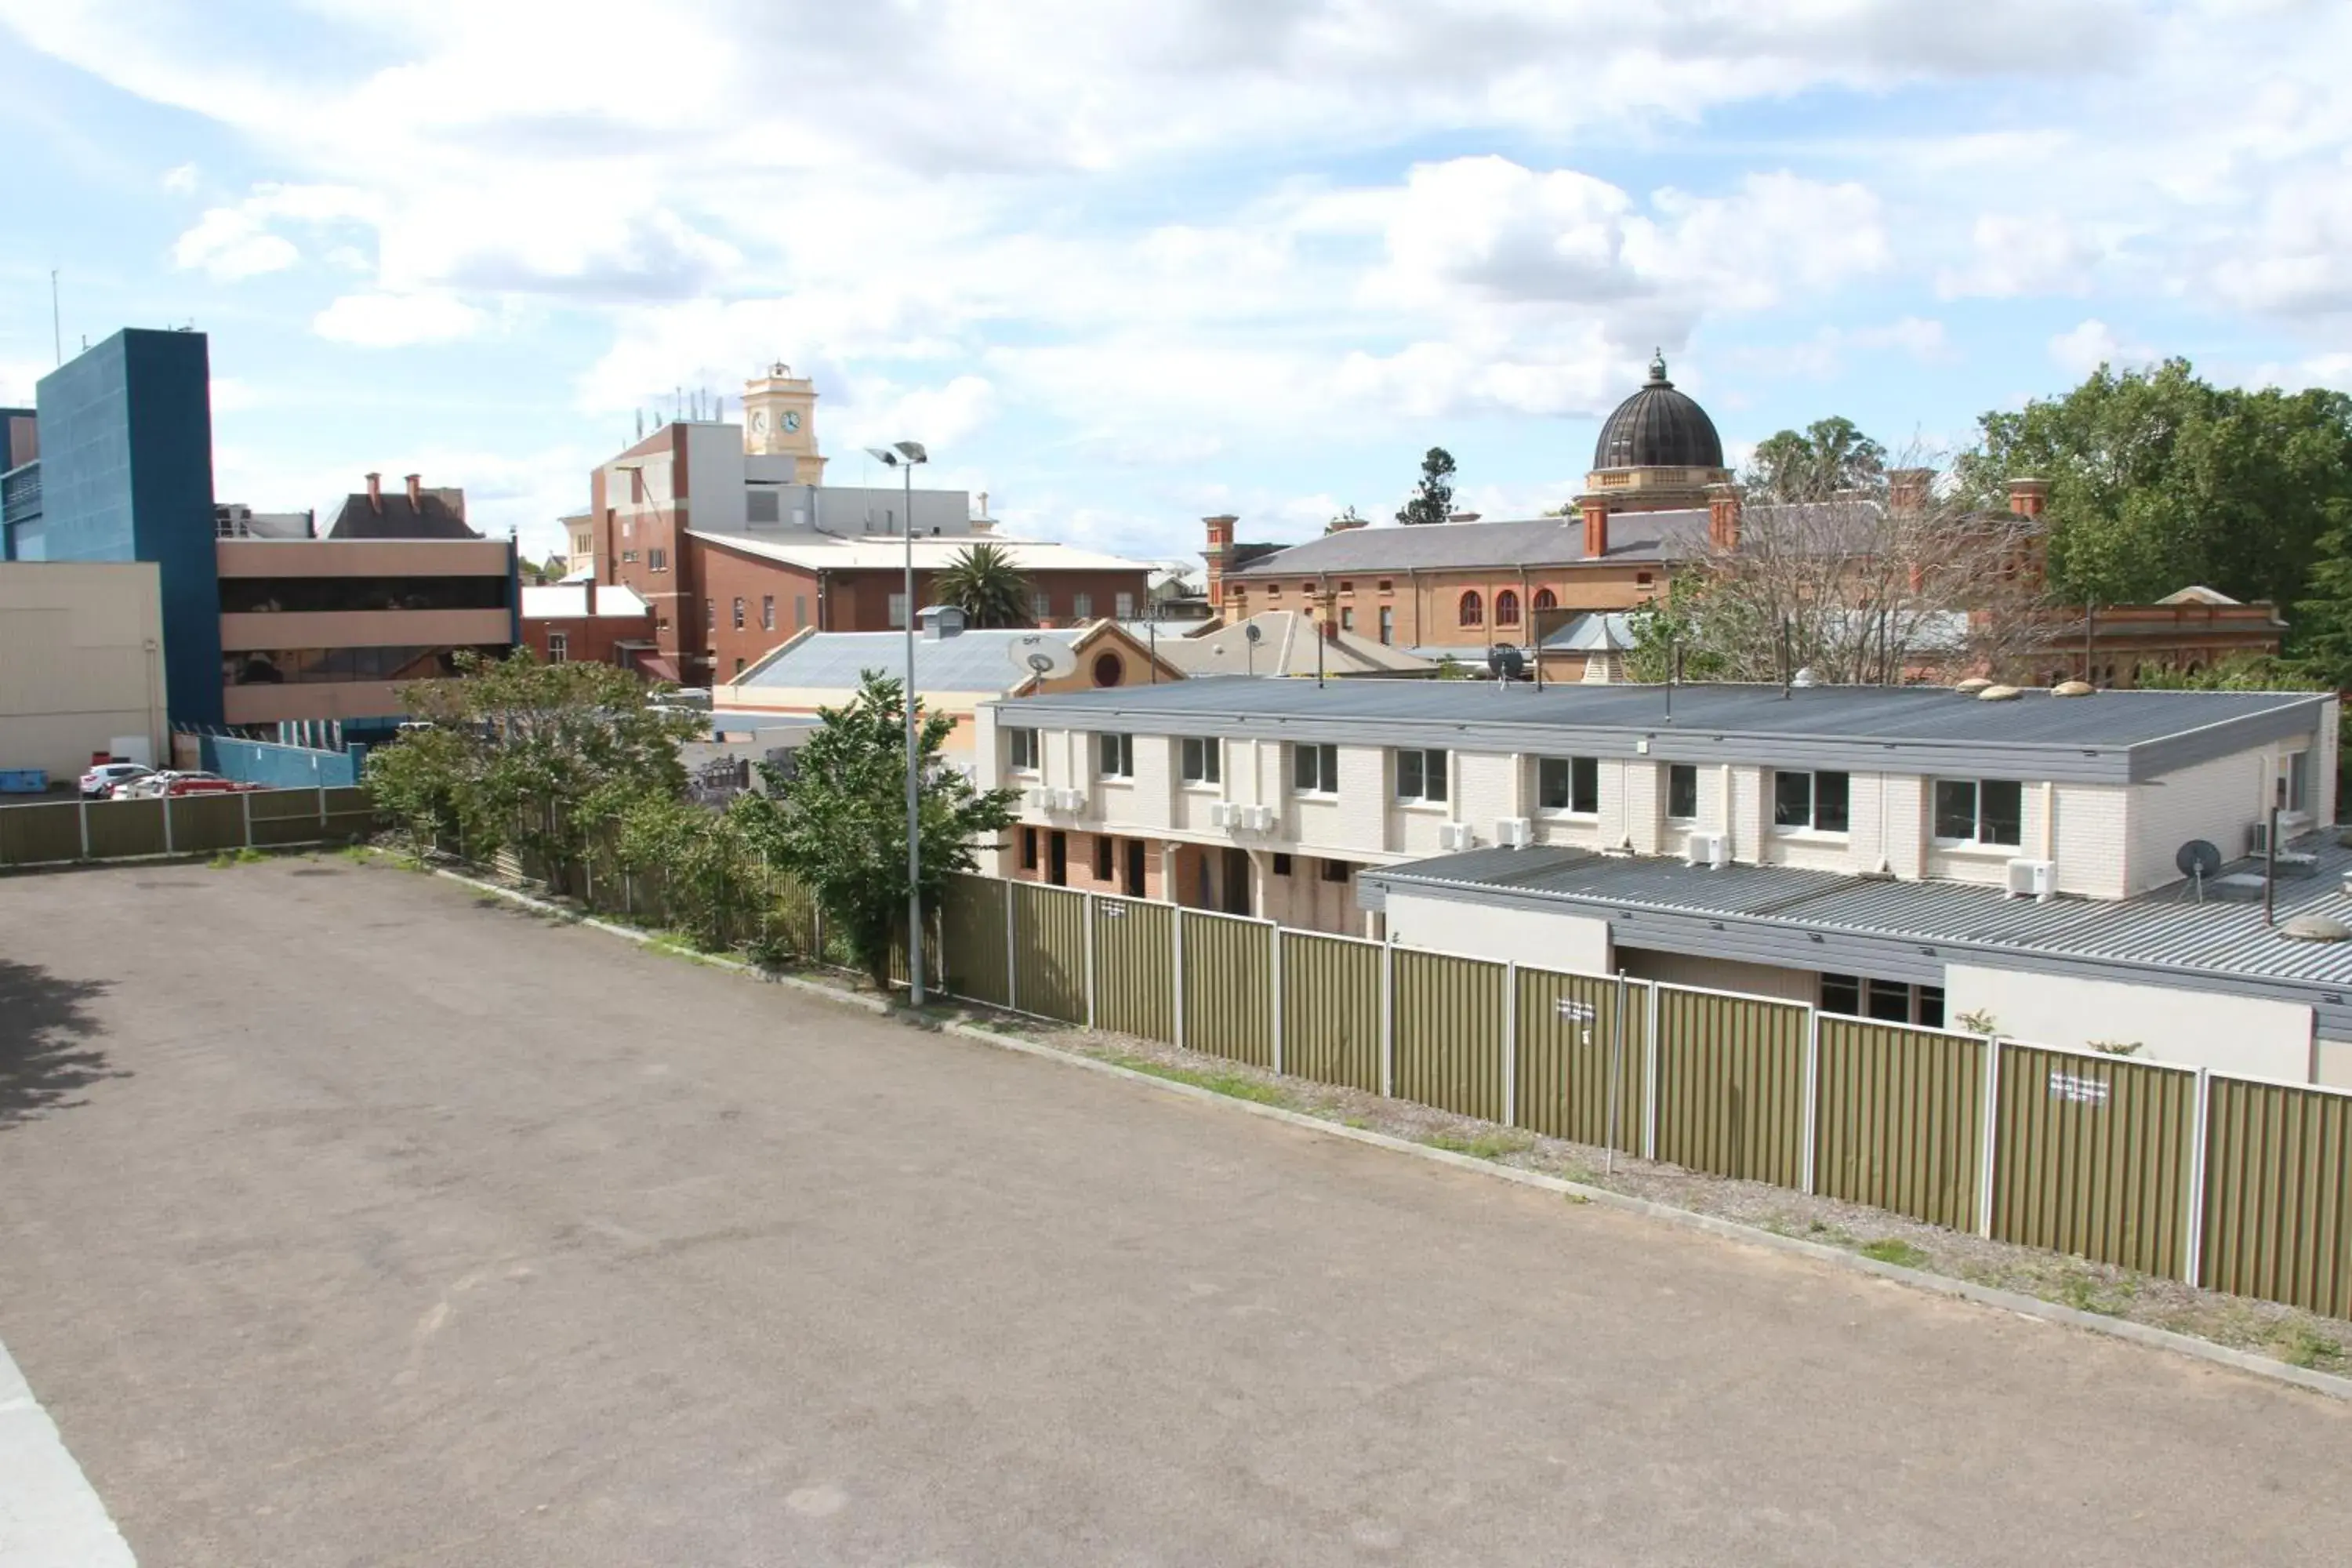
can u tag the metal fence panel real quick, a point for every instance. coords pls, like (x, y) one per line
(1228, 987)
(2278, 1194)
(1901, 1119)
(121, 828)
(202, 823)
(351, 813)
(38, 834)
(1448, 1015)
(1567, 1029)
(1049, 951)
(1732, 1084)
(972, 928)
(2090, 1156)
(1135, 968)
(284, 816)
(1332, 1009)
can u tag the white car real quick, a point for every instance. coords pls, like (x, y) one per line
(100, 781)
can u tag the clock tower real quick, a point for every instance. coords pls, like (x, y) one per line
(780, 421)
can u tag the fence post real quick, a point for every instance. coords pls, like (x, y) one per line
(1650, 1079)
(1274, 934)
(2193, 1257)
(1388, 1020)
(1012, 954)
(1176, 923)
(167, 822)
(1810, 1144)
(1087, 908)
(245, 798)
(1992, 1150)
(322, 807)
(1510, 1043)
(85, 829)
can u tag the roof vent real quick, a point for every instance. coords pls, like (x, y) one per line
(1972, 686)
(2072, 688)
(2316, 928)
(1998, 694)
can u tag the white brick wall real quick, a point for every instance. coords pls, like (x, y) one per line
(1487, 789)
(2216, 801)
(1641, 788)
(2089, 840)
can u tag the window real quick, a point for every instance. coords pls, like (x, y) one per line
(1507, 608)
(1082, 606)
(1028, 849)
(1335, 870)
(628, 555)
(1546, 600)
(1281, 864)
(1125, 606)
(1347, 619)
(1568, 784)
(738, 664)
(1315, 770)
(767, 612)
(1841, 993)
(1118, 756)
(1972, 811)
(656, 560)
(1273, 592)
(711, 615)
(1020, 750)
(1041, 605)
(2298, 781)
(1473, 610)
(1204, 760)
(1388, 624)
(1387, 587)
(799, 611)
(1102, 857)
(1421, 775)
(898, 611)
(1682, 790)
(1346, 586)
(1814, 801)
(1109, 669)
(559, 647)
(274, 595)
(738, 615)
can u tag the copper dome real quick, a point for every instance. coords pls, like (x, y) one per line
(1658, 427)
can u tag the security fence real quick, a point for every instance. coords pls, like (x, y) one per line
(2229, 1183)
(63, 832)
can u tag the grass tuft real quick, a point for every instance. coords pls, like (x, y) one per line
(228, 858)
(1895, 1250)
(1482, 1145)
(2299, 1345)
(1238, 1086)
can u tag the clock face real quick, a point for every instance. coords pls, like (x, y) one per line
(792, 419)
(760, 421)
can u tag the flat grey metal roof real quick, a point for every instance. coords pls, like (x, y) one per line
(1811, 919)
(968, 661)
(2107, 737)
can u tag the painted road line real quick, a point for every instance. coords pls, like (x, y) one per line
(50, 1517)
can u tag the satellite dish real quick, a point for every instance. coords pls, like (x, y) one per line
(1505, 662)
(1047, 657)
(2197, 860)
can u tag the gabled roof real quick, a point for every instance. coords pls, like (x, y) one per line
(433, 516)
(1286, 645)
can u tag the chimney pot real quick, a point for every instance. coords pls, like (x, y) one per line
(1907, 488)
(376, 493)
(2027, 497)
(415, 489)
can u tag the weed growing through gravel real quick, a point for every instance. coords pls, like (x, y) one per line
(228, 858)
(1234, 1084)
(1895, 1250)
(1482, 1145)
(2300, 1345)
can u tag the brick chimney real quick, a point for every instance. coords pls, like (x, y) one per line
(590, 586)
(375, 494)
(1596, 529)
(1723, 516)
(2028, 497)
(1221, 545)
(416, 492)
(1907, 488)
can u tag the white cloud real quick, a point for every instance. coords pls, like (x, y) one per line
(226, 244)
(2298, 261)
(233, 394)
(396, 320)
(181, 180)
(2014, 255)
(2085, 348)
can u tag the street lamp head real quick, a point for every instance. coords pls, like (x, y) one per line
(913, 451)
(883, 456)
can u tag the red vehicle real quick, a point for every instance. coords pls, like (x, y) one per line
(194, 784)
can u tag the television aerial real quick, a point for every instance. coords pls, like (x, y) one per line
(1044, 658)
(1505, 662)
(2197, 860)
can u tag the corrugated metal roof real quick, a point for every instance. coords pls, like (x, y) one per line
(1528, 542)
(2163, 930)
(971, 662)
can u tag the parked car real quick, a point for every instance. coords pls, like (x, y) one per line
(100, 781)
(152, 785)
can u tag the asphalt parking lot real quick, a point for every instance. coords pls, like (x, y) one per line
(344, 1220)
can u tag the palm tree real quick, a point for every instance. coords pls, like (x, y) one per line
(982, 582)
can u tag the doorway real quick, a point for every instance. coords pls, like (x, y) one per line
(1057, 860)
(1133, 883)
(1236, 880)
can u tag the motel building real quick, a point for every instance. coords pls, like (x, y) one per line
(1923, 854)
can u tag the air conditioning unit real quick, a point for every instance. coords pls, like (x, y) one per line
(1037, 798)
(1707, 849)
(1516, 832)
(1221, 814)
(1258, 819)
(1451, 835)
(2257, 837)
(1070, 800)
(2033, 879)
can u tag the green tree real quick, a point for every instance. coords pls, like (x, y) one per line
(2158, 479)
(2323, 622)
(1826, 459)
(839, 822)
(710, 879)
(983, 583)
(1665, 629)
(532, 756)
(1432, 498)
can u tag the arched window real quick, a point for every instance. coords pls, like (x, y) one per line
(1473, 610)
(1545, 600)
(1507, 608)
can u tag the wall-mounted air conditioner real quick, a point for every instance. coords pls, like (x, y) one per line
(1516, 832)
(2033, 879)
(1707, 849)
(2257, 837)
(1070, 800)
(1221, 814)
(1037, 798)
(1454, 835)
(1258, 819)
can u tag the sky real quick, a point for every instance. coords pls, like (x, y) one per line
(1124, 266)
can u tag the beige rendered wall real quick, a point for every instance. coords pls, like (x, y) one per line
(2195, 1028)
(1577, 944)
(81, 662)
(361, 557)
(1721, 974)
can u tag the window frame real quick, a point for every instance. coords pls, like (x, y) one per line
(1429, 764)
(1308, 759)
(1020, 741)
(1685, 770)
(1578, 777)
(738, 612)
(1814, 801)
(1114, 755)
(1978, 815)
(1199, 761)
(1506, 607)
(767, 612)
(1471, 609)
(559, 647)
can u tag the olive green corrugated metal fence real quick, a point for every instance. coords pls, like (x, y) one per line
(121, 829)
(1567, 1033)
(1899, 1122)
(973, 933)
(2278, 1193)
(55, 832)
(35, 835)
(1448, 1017)
(1049, 952)
(1228, 980)
(1330, 1009)
(1134, 961)
(1732, 1084)
(2093, 1156)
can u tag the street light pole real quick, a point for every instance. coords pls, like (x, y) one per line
(903, 456)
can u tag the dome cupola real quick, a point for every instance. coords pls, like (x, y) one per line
(1658, 427)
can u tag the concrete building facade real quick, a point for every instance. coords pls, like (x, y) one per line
(81, 664)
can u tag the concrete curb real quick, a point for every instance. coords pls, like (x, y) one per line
(2023, 1306)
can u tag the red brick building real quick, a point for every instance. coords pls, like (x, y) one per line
(587, 623)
